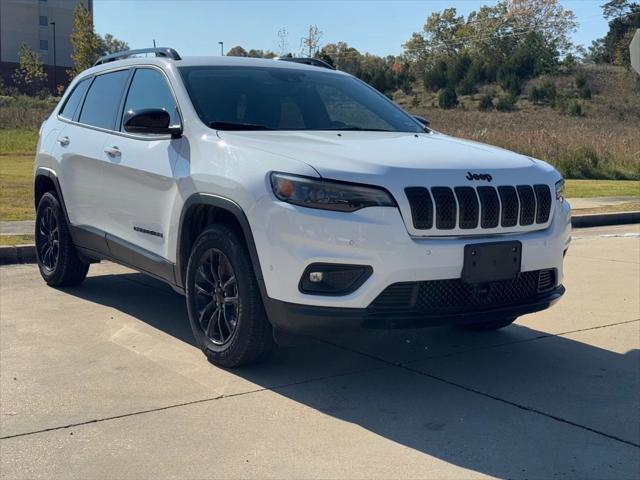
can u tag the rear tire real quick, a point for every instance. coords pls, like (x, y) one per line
(489, 325)
(225, 307)
(58, 259)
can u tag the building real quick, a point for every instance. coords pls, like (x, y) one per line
(34, 22)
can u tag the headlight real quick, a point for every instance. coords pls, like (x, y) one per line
(328, 194)
(560, 190)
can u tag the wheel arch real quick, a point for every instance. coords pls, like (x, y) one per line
(45, 180)
(202, 210)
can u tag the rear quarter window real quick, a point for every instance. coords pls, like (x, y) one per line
(72, 103)
(103, 99)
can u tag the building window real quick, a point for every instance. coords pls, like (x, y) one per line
(44, 44)
(44, 21)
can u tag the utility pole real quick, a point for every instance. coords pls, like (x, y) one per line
(221, 48)
(55, 66)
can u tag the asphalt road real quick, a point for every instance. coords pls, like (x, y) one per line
(103, 381)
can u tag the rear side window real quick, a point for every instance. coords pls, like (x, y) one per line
(71, 105)
(103, 99)
(149, 89)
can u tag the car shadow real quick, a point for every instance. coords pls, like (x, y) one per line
(522, 409)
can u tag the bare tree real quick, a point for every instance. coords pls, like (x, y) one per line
(283, 43)
(310, 44)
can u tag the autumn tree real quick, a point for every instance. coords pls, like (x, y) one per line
(110, 44)
(30, 76)
(237, 51)
(342, 56)
(85, 41)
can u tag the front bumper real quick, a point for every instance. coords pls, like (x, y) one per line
(289, 238)
(309, 319)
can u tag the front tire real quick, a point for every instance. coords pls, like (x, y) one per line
(494, 324)
(225, 308)
(58, 260)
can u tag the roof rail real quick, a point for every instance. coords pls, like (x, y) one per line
(316, 62)
(160, 52)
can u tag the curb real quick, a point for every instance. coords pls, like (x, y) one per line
(12, 254)
(604, 219)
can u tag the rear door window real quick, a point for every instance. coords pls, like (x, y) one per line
(149, 89)
(69, 109)
(103, 99)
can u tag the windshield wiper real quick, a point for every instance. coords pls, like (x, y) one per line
(237, 126)
(359, 129)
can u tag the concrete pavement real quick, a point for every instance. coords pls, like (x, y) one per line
(103, 381)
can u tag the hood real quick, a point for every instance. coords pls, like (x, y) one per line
(379, 152)
(396, 159)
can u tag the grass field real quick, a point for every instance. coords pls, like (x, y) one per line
(603, 143)
(16, 187)
(16, 240)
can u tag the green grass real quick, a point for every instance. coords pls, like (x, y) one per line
(16, 239)
(621, 207)
(16, 187)
(601, 188)
(18, 141)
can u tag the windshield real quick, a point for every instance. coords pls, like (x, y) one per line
(262, 98)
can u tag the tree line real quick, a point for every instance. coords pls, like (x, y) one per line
(506, 43)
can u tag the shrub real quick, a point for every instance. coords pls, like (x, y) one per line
(509, 81)
(436, 78)
(584, 92)
(466, 86)
(545, 93)
(575, 109)
(581, 81)
(506, 103)
(447, 98)
(486, 103)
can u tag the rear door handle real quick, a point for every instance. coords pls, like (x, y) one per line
(113, 151)
(64, 141)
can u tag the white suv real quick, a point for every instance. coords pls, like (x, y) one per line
(289, 197)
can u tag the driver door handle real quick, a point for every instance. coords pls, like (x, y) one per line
(113, 151)
(64, 141)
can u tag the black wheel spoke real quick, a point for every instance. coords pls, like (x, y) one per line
(202, 291)
(213, 322)
(231, 300)
(203, 275)
(231, 281)
(212, 267)
(206, 313)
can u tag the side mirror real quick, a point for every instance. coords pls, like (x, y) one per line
(150, 121)
(422, 120)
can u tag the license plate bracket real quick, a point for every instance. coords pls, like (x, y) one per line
(491, 262)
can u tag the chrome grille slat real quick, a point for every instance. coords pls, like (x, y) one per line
(485, 207)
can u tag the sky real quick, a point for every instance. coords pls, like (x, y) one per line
(194, 27)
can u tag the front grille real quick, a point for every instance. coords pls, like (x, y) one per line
(452, 296)
(486, 207)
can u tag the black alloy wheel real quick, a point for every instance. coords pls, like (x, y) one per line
(217, 299)
(48, 239)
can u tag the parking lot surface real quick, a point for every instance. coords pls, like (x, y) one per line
(104, 381)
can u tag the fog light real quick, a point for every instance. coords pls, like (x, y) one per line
(333, 279)
(316, 277)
